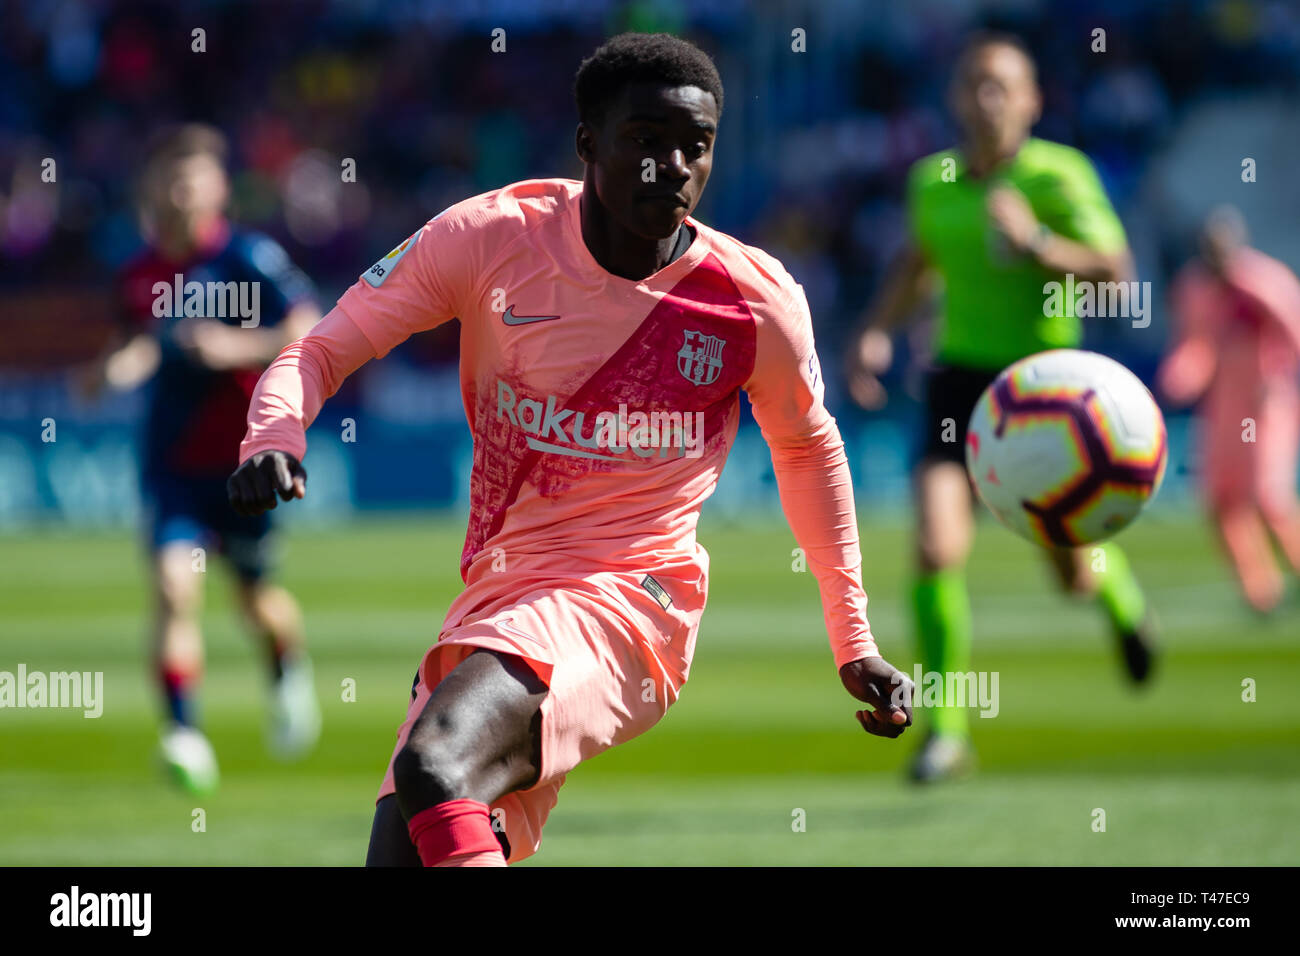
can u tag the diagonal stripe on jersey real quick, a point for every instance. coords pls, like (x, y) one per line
(643, 373)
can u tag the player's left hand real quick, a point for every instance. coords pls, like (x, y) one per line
(885, 688)
(865, 364)
(1012, 216)
(212, 344)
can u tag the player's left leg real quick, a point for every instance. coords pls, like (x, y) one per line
(1278, 449)
(1102, 572)
(274, 618)
(1283, 521)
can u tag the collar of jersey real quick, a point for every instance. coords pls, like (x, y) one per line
(1007, 167)
(669, 274)
(210, 245)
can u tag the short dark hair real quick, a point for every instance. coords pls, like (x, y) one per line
(638, 58)
(985, 38)
(185, 140)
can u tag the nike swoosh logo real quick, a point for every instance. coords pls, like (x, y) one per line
(510, 318)
(505, 625)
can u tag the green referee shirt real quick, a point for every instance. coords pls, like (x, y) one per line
(994, 302)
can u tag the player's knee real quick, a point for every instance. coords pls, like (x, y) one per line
(927, 560)
(1225, 506)
(1276, 510)
(1078, 581)
(427, 772)
(178, 595)
(938, 553)
(267, 606)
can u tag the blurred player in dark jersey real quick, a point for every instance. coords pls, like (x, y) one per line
(201, 354)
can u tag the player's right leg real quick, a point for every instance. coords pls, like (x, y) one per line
(477, 738)
(945, 530)
(507, 703)
(177, 657)
(249, 543)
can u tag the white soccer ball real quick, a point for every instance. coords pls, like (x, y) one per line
(1066, 447)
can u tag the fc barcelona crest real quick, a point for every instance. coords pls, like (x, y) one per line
(700, 358)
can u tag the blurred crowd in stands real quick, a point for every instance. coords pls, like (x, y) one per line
(813, 148)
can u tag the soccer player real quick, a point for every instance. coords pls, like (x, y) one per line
(994, 219)
(202, 352)
(1238, 352)
(605, 336)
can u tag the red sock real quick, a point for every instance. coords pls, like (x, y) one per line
(178, 693)
(457, 828)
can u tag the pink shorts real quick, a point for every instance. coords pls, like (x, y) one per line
(612, 657)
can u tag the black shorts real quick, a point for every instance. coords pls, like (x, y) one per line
(196, 510)
(951, 392)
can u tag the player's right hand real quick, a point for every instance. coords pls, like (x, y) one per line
(1011, 215)
(88, 381)
(254, 485)
(867, 359)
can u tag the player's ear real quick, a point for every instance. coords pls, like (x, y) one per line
(585, 142)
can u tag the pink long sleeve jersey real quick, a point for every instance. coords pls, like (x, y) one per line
(602, 409)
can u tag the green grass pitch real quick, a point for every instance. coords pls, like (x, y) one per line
(1186, 773)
